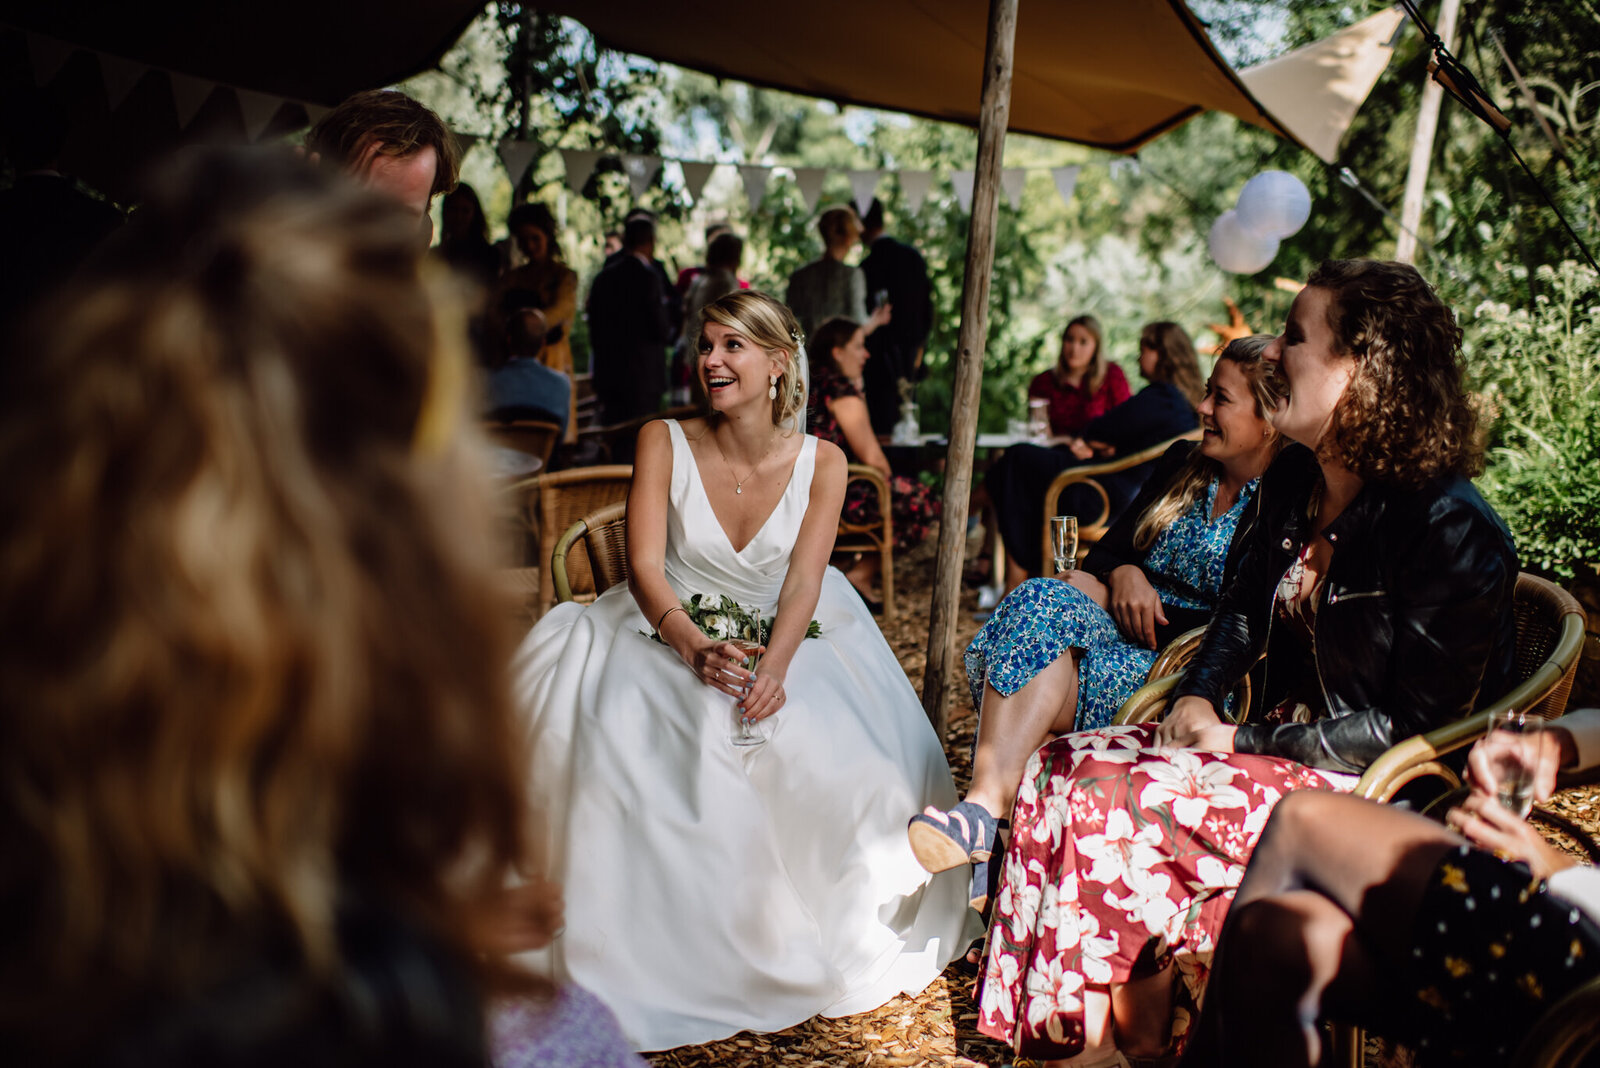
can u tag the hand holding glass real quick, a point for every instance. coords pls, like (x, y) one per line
(1064, 541)
(746, 732)
(1513, 748)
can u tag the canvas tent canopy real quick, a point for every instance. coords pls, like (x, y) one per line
(1110, 75)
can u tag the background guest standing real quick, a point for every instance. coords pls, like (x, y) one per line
(828, 286)
(554, 285)
(897, 272)
(629, 329)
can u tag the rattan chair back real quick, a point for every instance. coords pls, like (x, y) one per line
(604, 535)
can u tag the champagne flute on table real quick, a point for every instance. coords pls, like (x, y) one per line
(1064, 541)
(1514, 739)
(744, 731)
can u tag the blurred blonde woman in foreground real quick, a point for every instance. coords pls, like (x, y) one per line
(261, 791)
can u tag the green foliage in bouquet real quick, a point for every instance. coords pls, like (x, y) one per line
(721, 617)
(1539, 373)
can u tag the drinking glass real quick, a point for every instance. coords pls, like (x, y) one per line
(745, 732)
(1064, 541)
(1514, 739)
(1039, 420)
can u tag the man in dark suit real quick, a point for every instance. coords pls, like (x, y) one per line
(897, 274)
(628, 328)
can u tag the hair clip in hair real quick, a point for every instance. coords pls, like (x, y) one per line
(794, 335)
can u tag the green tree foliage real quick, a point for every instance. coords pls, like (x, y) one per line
(1538, 371)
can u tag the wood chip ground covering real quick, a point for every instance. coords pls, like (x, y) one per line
(937, 1027)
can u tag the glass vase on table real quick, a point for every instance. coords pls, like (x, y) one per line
(1064, 542)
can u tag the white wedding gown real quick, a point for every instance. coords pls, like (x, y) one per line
(712, 888)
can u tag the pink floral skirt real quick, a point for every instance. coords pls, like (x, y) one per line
(1124, 857)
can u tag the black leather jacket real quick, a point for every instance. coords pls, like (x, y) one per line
(1117, 548)
(1414, 628)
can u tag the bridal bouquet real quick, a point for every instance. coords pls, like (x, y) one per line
(721, 617)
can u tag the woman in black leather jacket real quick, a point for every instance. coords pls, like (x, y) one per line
(1379, 583)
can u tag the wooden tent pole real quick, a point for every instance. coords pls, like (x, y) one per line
(993, 116)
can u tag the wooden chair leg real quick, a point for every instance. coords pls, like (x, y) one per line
(887, 580)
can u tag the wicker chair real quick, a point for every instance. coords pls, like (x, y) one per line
(551, 503)
(531, 436)
(605, 540)
(1092, 530)
(872, 537)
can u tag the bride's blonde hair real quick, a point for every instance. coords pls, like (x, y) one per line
(772, 326)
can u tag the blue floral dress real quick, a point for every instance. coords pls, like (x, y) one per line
(1040, 620)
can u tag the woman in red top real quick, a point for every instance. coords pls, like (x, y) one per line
(1083, 384)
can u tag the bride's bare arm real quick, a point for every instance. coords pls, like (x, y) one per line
(797, 600)
(716, 664)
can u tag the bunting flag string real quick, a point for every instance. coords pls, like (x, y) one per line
(914, 187)
(695, 176)
(755, 183)
(809, 179)
(641, 170)
(517, 156)
(961, 182)
(1012, 179)
(121, 76)
(188, 94)
(863, 184)
(580, 164)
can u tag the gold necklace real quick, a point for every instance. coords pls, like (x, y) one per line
(738, 483)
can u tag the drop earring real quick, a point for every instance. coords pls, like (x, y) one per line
(772, 390)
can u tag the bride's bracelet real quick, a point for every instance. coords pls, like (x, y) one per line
(668, 612)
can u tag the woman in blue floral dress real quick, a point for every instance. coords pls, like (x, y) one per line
(1061, 655)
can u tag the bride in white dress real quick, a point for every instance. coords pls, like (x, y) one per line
(713, 888)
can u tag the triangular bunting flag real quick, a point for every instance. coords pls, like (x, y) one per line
(962, 183)
(257, 109)
(316, 113)
(48, 56)
(862, 186)
(694, 177)
(1121, 168)
(518, 156)
(187, 96)
(640, 170)
(1012, 179)
(465, 141)
(810, 180)
(755, 183)
(580, 164)
(1066, 181)
(914, 186)
(120, 75)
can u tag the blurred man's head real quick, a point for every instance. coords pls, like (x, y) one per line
(639, 235)
(392, 143)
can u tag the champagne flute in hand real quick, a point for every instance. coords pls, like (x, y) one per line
(746, 732)
(1064, 541)
(1513, 743)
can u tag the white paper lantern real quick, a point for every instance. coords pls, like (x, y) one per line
(1274, 203)
(1236, 249)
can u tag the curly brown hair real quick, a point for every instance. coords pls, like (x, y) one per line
(251, 657)
(1405, 417)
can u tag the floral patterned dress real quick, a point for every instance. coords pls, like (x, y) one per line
(913, 505)
(1042, 619)
(1124, 857)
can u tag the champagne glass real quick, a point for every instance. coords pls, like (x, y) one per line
(1064, 541)
(745, 732)
(1514, 739)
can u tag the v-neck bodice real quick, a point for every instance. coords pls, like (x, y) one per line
(699, 555)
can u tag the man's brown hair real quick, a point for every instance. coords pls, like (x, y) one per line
(396, 123)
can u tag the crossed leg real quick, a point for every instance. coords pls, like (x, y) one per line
(1330, 894)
